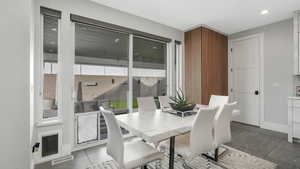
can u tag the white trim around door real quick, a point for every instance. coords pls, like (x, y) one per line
(260, 36)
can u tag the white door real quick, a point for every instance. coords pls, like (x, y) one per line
(245, 57)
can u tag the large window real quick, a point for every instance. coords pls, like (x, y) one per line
(149, 69)
(113, 66)
(101, 77)
(50, 67)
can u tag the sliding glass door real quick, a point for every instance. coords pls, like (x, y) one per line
(112, 66)
(103, 58)
(101, 78)
(149, 68)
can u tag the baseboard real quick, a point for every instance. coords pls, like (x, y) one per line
(62, 160)
(275, 127)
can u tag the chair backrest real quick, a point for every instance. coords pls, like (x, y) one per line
(164, 102)
(216, 100)
(201, 138)
(115, 142)
(146, 104)
(222, 131)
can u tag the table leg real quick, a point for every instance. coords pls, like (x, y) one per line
(172, 152)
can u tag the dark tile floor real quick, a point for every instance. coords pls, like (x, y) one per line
(266, 144)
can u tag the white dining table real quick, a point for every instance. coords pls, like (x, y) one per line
(157, 126)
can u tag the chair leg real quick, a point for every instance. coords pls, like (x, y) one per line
(185, 165)
(208, 164)
(185, 161)
(158, 164)
(216, 155)
(144, 166)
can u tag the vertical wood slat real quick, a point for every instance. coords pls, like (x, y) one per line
(214, 64)
(206, 64)
(193, 65)
(196, 65)
(188, 83)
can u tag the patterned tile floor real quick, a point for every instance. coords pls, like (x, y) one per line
(266, 144)
(229, 158)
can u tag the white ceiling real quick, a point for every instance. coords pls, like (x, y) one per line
(228, 16)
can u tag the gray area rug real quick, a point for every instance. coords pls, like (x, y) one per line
(229, 158)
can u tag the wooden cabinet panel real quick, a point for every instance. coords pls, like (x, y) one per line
(206, 64)
(193, 65)
(187, 42)
(214, 64)
(196, 65)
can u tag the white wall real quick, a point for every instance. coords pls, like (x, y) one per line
(14, 87)
(278, 69)
(92, 10)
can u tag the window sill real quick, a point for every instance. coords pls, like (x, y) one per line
(47, 123)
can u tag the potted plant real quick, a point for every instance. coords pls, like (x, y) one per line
(180, 102)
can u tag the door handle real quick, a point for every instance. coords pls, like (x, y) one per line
(256, 92)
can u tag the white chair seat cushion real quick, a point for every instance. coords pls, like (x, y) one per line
(138, 153)
(182, 145)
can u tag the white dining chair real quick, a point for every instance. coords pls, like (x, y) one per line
(146, 104)
(164, 102)
(221, 129)
(128, 155)
(200, 140)
(217, 100)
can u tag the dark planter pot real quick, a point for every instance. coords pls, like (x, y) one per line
(183, 108)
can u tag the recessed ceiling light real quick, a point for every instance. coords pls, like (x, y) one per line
(264, 12)
(54, 29)
(154, 47)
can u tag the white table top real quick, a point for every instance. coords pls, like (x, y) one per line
(157, 126)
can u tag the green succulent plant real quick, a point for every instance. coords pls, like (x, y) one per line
(179, 99)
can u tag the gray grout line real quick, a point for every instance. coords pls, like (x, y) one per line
(88, 157)
(277, 147)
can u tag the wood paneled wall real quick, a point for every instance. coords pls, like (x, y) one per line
(214, 71)
(193, 65)
(206, 62)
